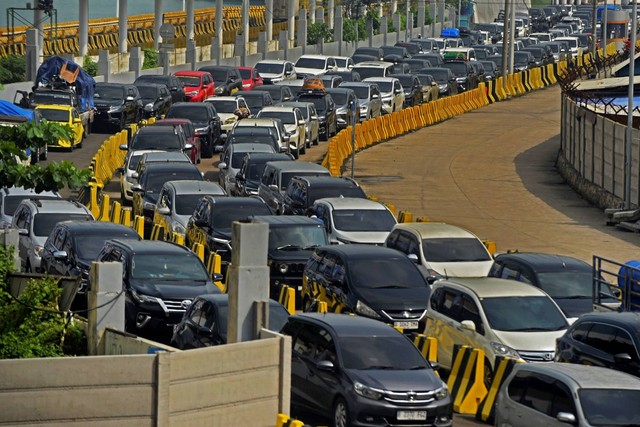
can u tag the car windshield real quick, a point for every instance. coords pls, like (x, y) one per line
(425, 79)
(254, 171)
(169, 267)
(192, 81)
(223, 217)
(109, 92)
(385, 86)
(318, 102)
(366, 72)
(267, 68)
(288, 118)
(376, 352)
(224, 106)
(363, 220)
(133, 162)
(554, 48)
(254, 139)
(245, 74)
(254, 101)
(186, 203)
(274, 91)
(567, 283)
(49, 98)
(285, 177)
(415, 67)
(385, 273)
(393, 50)
(154, 141)
(148, 92)
(317, 63)
(88, 246)
(610, 407)
(296, 237)
(454, 250)
(219, 76)
(523, 314)
(481, 54)
(341, 62)
(362, 92)
(55, 115)
(340, 98)
(43, 223)
(316, 193)
(188, 112)
(406, 82)
(11, 202)
(153, 182)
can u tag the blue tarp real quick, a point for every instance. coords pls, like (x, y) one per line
(450, 32)
(8, 109)
(84, 84)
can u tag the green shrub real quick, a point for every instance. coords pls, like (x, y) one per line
(319, 31)
(90, 66)
(12, 69)
(150, 59)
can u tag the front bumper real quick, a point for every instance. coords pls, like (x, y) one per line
(107, 118)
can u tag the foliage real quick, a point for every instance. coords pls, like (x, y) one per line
(373, 15)
(150, 59)
(349, 29)
(90, 66)
(32, 326)
(15, 140)
(12, 69)
(319, 31)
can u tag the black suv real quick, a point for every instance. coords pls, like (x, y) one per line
(227, 79)
(279, 93)
(205, 119)
(156, 99)
(160, 279)
(465, 74)
(211, 222)
(256, 99)
(292, 240)
(248, 178)
(610, 340)
(176, 88)
(161, 138)
(411, 87)
(326, 109)
(117, 105)
(303, 191)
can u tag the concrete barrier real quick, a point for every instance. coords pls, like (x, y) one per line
(287, 298)
(466, 379)
(502, 368)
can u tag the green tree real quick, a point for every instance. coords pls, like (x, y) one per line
(90, 66)
(150, 59)
(319, 31)
(12, 69)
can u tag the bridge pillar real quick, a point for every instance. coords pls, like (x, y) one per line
(369, 25)
(136, 59)
(83, 30)
(123, 43)
(384, 27)
(263, 45)
(218, 31)
(268, 17)
(191, 53)
(330, 13)
(319, 14)
(409, 30)
(312, 12)
(31, 54)
(104, 66)
(283, 40)
(394, 7)
(396, 25)
(190, 33)
(291, 18)
(421, 11)
(157, 22)
(433, 12)
(302, 30)
(337, 30)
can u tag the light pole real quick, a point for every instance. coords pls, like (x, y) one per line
(459, 11)
(629, 133)
(354, 109)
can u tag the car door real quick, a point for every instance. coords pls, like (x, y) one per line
(602, 342)
(540, 402)
(375, 101)
(76, 125)
(164, 202)
(208, 85)
(54, 244)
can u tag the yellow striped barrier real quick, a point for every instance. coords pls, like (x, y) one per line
(466, 379)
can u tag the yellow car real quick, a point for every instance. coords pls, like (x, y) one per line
(65, 115)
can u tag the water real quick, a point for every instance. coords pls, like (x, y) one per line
(68, 9)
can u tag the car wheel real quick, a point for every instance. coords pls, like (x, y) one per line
(81, 140)
(488, 374)
(45, 153)
(27, 268)
(317, 140)
(207, 148)
(340, 413)
(71, 146)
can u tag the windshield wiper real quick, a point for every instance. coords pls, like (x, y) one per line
(310, 247)
(288, 247)
(415, 368)
(381, 367)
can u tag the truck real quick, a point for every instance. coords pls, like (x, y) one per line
(60, 81)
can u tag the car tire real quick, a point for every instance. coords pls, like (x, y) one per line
(340, 413)
(44, 154)
(317, 140)
(488, 374)
(207, 149)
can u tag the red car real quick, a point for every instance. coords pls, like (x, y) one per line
(189, 133)
(198, 85)
(250, 78)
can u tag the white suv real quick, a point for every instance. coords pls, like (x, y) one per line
(391, 91)
(293, 122)
(312, 65)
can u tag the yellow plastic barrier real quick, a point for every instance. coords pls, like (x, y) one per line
(321, 307)
(198, 249)
(551, 74)
(405, 216)
(283, 420)
(466, 379)
(428, 346)
(116, 211)
(157, 232)
(104, 208)
(288, 298)
(502, 368)
(490, 245)
(138, 225)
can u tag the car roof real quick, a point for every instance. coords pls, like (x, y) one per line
(338, 203)
(297, 104)
(189, 105)
(266, 157)
(156, 129)
(96, 227)
(545, 262)
(278, 220)
(247, 147)
(165, 156)
(286, 109)
(346, 326)
(298, 166)
(614, 317)
(225, 200)
(192, 186)
(273, 61)
(435, 229)
(172, 121)
(151, 246)
(54, 107)
(169, 167)
(378, 64)
(342, 89)
(233, 98)
(492, 287)
(316, 56)
(380, 79)
(190, 73)
(20, 191)
(256, 122)
(57, 206)
(362, 251)
(355, 84)
(328, 180)
(583, 376)
(143, 83)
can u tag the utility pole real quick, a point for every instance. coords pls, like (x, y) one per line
(505, 35)
(630, 92)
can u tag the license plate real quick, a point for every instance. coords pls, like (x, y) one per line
(406, 325)
(411, 415)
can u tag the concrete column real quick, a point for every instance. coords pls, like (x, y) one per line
(240, 48)
(9, 236)
(421, 13)
(394, 7)
(384, 29)
(319, 14)
(38, 24)
(104, 66)
(312, 12)
(105, 302)
(157, 22)
(380, 9)
(262, 44)
(291, 17)
(268, 16)
(433, 13)
(191, 53)
(245, 26)
(83, 29)
(396, 25)
(337, 30)
(215, 50)
(369, 26)
(248, 279)
(123, 44)
(190, 32)
(409, 31)
(136, 59)
(163, 60)
(283, 42)
(330, 13)
(31, 56)
(302, 29)
(441, 14)
(218, 34)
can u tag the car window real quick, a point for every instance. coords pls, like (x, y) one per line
(518, 385)
(305, 341)
(469, 311)
(601, 337)
(197, 316)
(538, 394)
(580, 331)
(58, 238)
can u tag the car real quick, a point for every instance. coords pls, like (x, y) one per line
(523, 60)
(465, 75)
(10, 198)
(159, 280)
(400, 68)
(73, 245)
(150, 182)
(395, 54)
(178, 200)
(568, 280)
(250, 77)
(211, 222)
(478, 68)
(369, 98)
(447, 83)
(248, 177)
(156, 99)
(175, 86)
(367, 280)
(540, 55)
(606, 339)
(353, 219)
(564, 394)
(275, 70)
(256, 99)
(330, 80)
(412, 89)
(344, 63)
(441, 250)
(231, 161)
(195, 154)
(263, 130)
(352, 369)
(416, 65)
(375, 52)
(227, 79)
(149, 157)
(198, 85)
(459, 53)
(34, 219)
(64, 115)
(276, 176)
(312, 65)
(497, 61)
(435, 58)
(346, 106)
(116, 105)
(205, 323)
(373, 69)
(159, 138)
(310, 116)
(429, 87)
(499, 316)
(491, 70)
(279, 93)
(294, 124)
(291, 242)
(412, 47)
(205, 119)
(303, 191)
(326, 109)
(347, 76)
(226, 107)
(391, 92)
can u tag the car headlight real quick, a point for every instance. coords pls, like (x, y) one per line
(115, 108)
(148, 205)
(148, 107)
(442, 87)
(37, 250)
(219, 90)
(201, 130)
(143, 298)
(191, 93)
(442, 392)
(366, 391)
(386, 98)
(131, 179)
(276, 79)
(179, 228)
(364, 309)
(230, 120)
(363, 108)
(504, 350)
(283, 268)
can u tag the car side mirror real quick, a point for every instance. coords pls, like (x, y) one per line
(60, 254)
(314, 117)
(469, 325)
(137, 188)
(302, 122)
(325, 365)
(23, 231)
(222, 165)
(130, 98)
(273, 187)
(163, 210)
(375, 96)
(188, 146)
(77, 121)
(413, 258)
(120, 170)
(566, 417)
(124, 147)
(134, 175)
(622, 358)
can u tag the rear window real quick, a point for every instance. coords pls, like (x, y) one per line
(43, 223)
(154, 141)
(366, 72)
(454, 250)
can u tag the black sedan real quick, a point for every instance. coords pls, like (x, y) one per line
(205, 119)
(156, 99)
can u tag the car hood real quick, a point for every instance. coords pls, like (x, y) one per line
(365, 237)
(150, 100)
(392, 379)
(108, 102)
(574, 307)
(530, 341)
(225, 116)
(395, 298)
(309, 71)
(462, 269)
(173, 289)
(291, 128)
(290, 255)
(271, 75)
